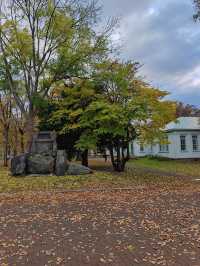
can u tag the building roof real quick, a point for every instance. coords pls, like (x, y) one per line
(184, 123)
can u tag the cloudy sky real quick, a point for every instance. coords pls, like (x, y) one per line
(161, 35)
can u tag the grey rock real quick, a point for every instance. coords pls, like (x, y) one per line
(61, 163)
(77, 169)
(40, 164)
(18, 165)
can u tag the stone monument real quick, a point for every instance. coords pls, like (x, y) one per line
(41, 159)
(44, 158)
(44, 142)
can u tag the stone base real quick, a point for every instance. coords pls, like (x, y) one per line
(61, 163)
(77, 169)
(45, 164)
(18, 165)
(40, 164)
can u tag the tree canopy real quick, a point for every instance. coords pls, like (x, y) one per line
(61, 73)
(111, 109)
(44, 41)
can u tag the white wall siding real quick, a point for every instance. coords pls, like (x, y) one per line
(189, 153)
(174, 146)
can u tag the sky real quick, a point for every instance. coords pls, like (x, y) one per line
(163, 37)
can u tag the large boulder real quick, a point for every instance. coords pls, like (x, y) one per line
(61, 163)
(40, 164)
(77, 169)
(18, 165)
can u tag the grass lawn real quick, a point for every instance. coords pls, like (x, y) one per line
(187, 168)
(102, 177)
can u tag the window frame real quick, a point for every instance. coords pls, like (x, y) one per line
(132, 148)
(181, 143)
(164, 148)
(142, 148)
(195, 144)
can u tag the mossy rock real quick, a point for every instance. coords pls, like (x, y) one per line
(40, 164)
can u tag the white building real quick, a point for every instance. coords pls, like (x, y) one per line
(183, 141)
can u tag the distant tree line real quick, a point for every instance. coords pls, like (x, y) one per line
(186, 110)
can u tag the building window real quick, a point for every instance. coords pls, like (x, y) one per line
(195, 143)
(164, 147)
(132, 148)
(151, 148)
(183, 143)
(141, 147)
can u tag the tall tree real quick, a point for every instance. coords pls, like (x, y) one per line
(125, 109)
(111, 109)
(19, 125)
(33, 35)
(6, 102)
(64, 110)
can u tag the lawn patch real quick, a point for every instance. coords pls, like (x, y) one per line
(102, 177)
(184, 167)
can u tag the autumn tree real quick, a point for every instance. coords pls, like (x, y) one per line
(110, 109)
(186, 110)
(33, 35)
(125, 108)
(11, 124)
(64, 110)
(19, 124)
(5, 122)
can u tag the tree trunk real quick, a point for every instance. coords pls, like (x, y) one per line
(119, 166)
(15, 145)
(118, 155)
(85, 158)
(79, 156)
(128, 152)
(112, 156)
(22, 146)
(30, 128)
(120, 162)
(5, 145)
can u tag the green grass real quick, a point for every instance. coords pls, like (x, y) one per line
(103, 177)
(188, 168)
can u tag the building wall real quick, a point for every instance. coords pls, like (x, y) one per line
(174, 147)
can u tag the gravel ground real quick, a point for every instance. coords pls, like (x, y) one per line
(144, 226)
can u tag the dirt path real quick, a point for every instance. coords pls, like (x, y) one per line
(148, 226)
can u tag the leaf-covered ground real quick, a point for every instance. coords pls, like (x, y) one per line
(156, 221)
(148, 225)
(102, 177)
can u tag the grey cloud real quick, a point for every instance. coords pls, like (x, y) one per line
(124, 7)
(163, 36)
